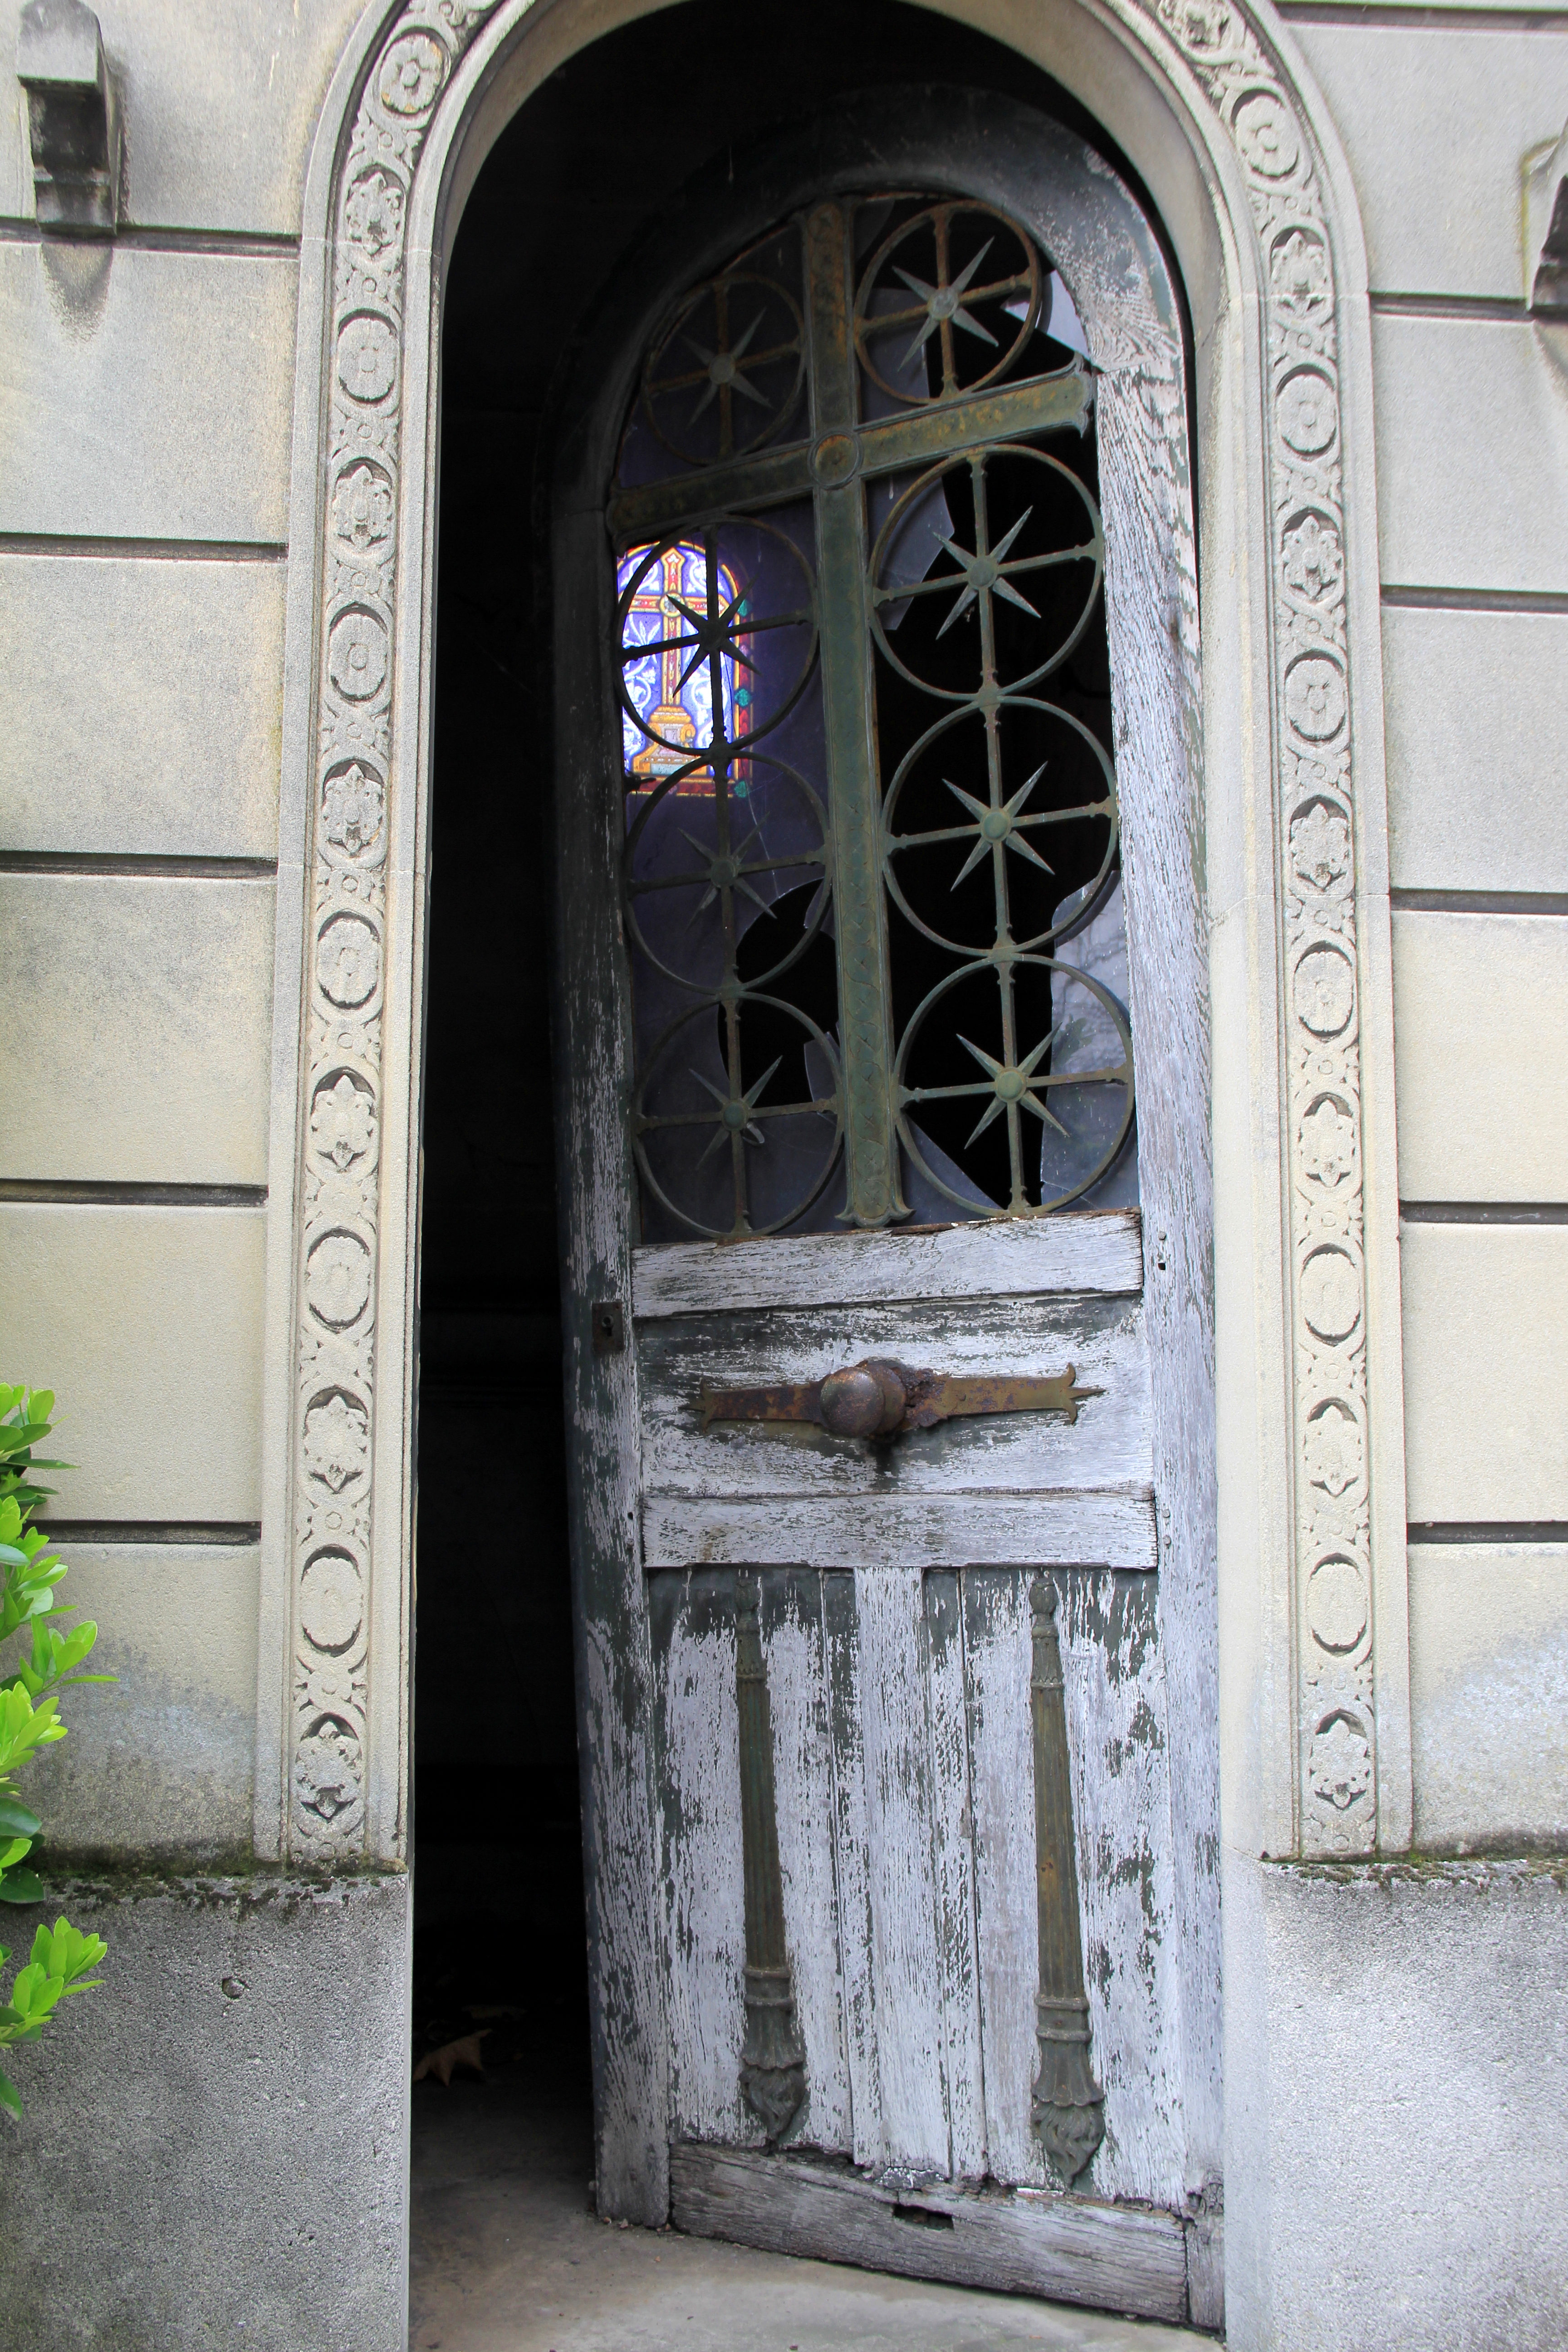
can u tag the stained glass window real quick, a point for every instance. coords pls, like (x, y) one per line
(668, 708)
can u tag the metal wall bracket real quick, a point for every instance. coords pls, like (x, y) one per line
(73, 119)
(1548, 295)
(1546, 232)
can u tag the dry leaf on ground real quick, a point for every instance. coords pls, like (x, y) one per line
(463, 2052)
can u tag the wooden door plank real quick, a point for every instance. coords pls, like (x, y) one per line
(592, 1034)
(698, 1809)
(952, 1864)
(1152, 623)
(996, 1634)
(841, 1629)
(906, 1972)
(1089, 1250)
(1113, 2257)
(866, 1532)
(1114, 1669)
(795, 1655)
(1118, 1745)
(1107, 1447)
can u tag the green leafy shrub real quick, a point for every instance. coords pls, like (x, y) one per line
(49, 1660)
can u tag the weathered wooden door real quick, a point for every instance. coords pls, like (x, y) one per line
(879, 1746)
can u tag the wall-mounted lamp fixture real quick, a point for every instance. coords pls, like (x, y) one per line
(73, 117)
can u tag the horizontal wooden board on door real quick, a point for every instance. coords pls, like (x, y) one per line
(1089, 1250)
(1117, 2257)
(1108, 1447)
(867, 1531)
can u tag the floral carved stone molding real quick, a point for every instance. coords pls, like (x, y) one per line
(1315, 827)
(335, 1313)
(339, 1195)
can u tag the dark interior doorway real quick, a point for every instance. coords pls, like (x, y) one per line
(579, 173)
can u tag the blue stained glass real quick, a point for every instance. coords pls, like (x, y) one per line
(676, 710)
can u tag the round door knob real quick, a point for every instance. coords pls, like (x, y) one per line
(867, 1400)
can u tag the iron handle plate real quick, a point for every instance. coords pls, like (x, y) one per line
(877, 1397)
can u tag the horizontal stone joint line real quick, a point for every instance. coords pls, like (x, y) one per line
(110, 1194)
(1382, 13)
(193, 1532)
(1479, 902)
(1486, 1531)
(146, 551)
(149, 865)
(1483, 1212)
(1404, 598)
(1494, 307)
(239, 242)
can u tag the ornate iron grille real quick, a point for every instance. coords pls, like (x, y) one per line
(865, 727)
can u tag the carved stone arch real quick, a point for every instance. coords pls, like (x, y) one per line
(1214, 108)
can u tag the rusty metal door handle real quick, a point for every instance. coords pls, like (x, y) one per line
(878, 1399)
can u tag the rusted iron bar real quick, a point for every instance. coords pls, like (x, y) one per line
(880, 1399)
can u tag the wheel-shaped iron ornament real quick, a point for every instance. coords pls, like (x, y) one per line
(1069, 1144)
(1002, 566)
(688, 918)
(728, 1116)
(1015, 820)
(726, 376)
(959, 277)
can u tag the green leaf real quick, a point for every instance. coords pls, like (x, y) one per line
(74, 1648)
(35, 1992)
(65, 1952)
(40, 1404)
(14, 1851)
(21, 1887)
(16, 1820)
(24, 1726)
(8, 2097)
(27, 1495)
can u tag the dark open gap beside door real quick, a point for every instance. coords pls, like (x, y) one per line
(579, 173)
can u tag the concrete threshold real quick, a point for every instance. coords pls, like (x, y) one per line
(508, 2257)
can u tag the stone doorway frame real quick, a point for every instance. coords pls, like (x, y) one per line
(1215, 111)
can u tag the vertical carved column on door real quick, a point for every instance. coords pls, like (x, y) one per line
(772, 2057)
(1337, 1804)
(340, 1210)
(1068, 2110)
